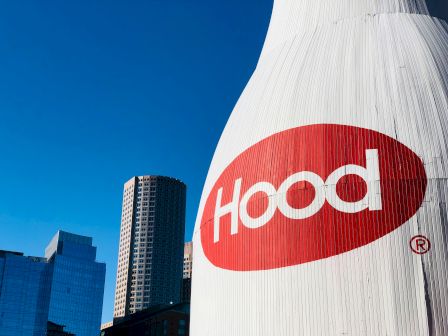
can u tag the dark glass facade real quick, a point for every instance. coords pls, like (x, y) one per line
(54, 329)
(186, 290)
(24, 288)
(65, 288)
(76, 296)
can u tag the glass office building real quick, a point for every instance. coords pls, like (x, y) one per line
(24, 288)
(77, 289)
(66, 287)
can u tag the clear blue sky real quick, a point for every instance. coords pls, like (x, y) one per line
(95, 92)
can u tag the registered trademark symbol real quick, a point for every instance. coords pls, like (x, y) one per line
(420, 244)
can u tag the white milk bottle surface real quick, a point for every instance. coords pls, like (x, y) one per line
(324, 211)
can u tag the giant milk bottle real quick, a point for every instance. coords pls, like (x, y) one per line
(325, 207)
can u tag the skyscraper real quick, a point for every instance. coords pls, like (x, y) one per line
(65, 288)
(151, 244)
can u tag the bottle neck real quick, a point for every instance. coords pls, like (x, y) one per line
(291, 17)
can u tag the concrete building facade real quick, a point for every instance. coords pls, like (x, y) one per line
(188, 260)
(151, 244)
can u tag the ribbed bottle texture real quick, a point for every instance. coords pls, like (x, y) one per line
(325, 210)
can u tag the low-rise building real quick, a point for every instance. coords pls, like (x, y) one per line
(107, 325)
(170, 320)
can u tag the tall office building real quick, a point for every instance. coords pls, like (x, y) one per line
(77, 287)
(65, 288)
(151, 244)
(25, 283)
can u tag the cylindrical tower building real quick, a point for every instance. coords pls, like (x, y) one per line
(150, 258)
(325, 207)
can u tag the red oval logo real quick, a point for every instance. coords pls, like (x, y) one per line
(310, 193)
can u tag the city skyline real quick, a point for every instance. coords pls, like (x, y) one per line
(81, 82)
(76, 115)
